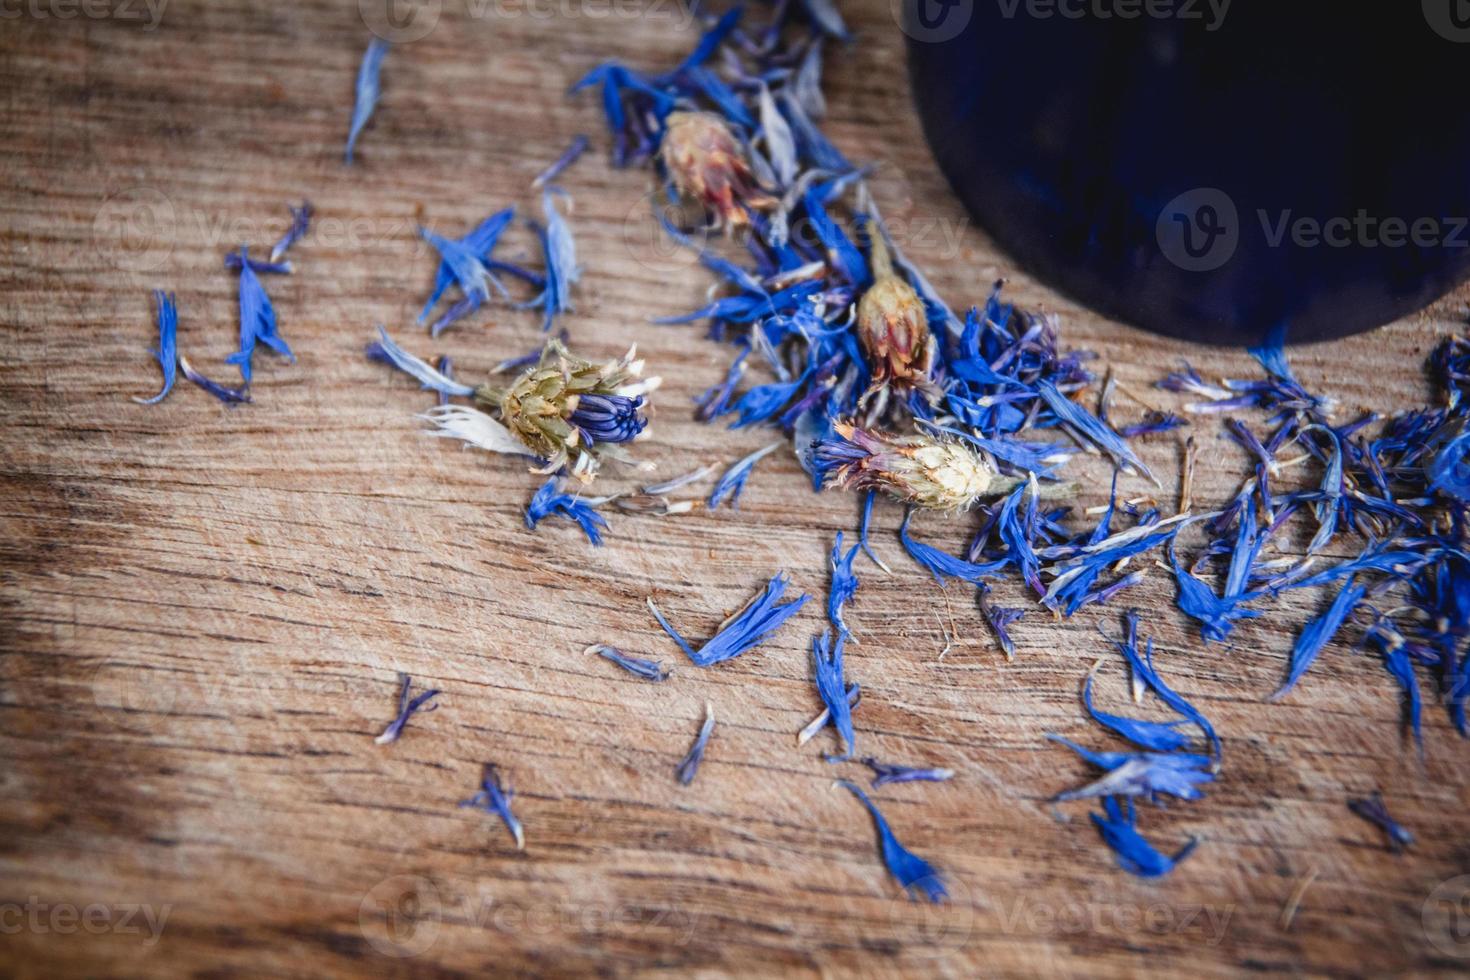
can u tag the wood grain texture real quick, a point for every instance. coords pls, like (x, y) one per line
(204, 609)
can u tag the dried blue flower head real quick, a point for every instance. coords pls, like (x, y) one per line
(608, 418)
(689, 766)
(1374, 810)
(494, 797)
(257, 320)
(732, 484)
(893, 329)
(913, 872)
(300, 222)
(832, 685)
(922, 470)
(884, 773)
(1135, 855)
(744, 629)
(550, 502)
(649, 670)
(1140, 774)
(366, 99)
(707, 164)
(167, 352)
(406, 707)
(538, 411)
(226, 394)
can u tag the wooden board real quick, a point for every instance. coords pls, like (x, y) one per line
(204, 609)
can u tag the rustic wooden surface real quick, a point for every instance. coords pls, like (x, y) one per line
(204, 609)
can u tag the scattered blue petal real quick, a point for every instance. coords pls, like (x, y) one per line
(689, 766)
(406, 707)
(832, 686)
(885, 773)
(494, 797)
(367, 92)
(549, 502)
(167, 351)
(1135, 855)
(649, 670)
(760, 617)
(912, 871)
(732, 484)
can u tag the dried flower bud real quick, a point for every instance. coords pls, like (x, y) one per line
(571, 412)
(708, 164)
(894, 332)
(922, 470)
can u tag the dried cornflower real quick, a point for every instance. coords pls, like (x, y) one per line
(922, 470)
(893, 330)
(708, 164)
(566, 411)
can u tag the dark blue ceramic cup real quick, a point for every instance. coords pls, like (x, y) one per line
(1210, 169)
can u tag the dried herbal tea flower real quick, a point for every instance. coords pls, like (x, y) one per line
(494, 797)
(707, 163)
(573, 413)
(912, 871)
(1374, 810)
(687, 768)
(366, 93)
(887, 772)
(922, 470)
(167, 352)
(566, 411)
(649, 670)
(893, 330)
(1135, 854)
(406, 707)
(300, 223)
